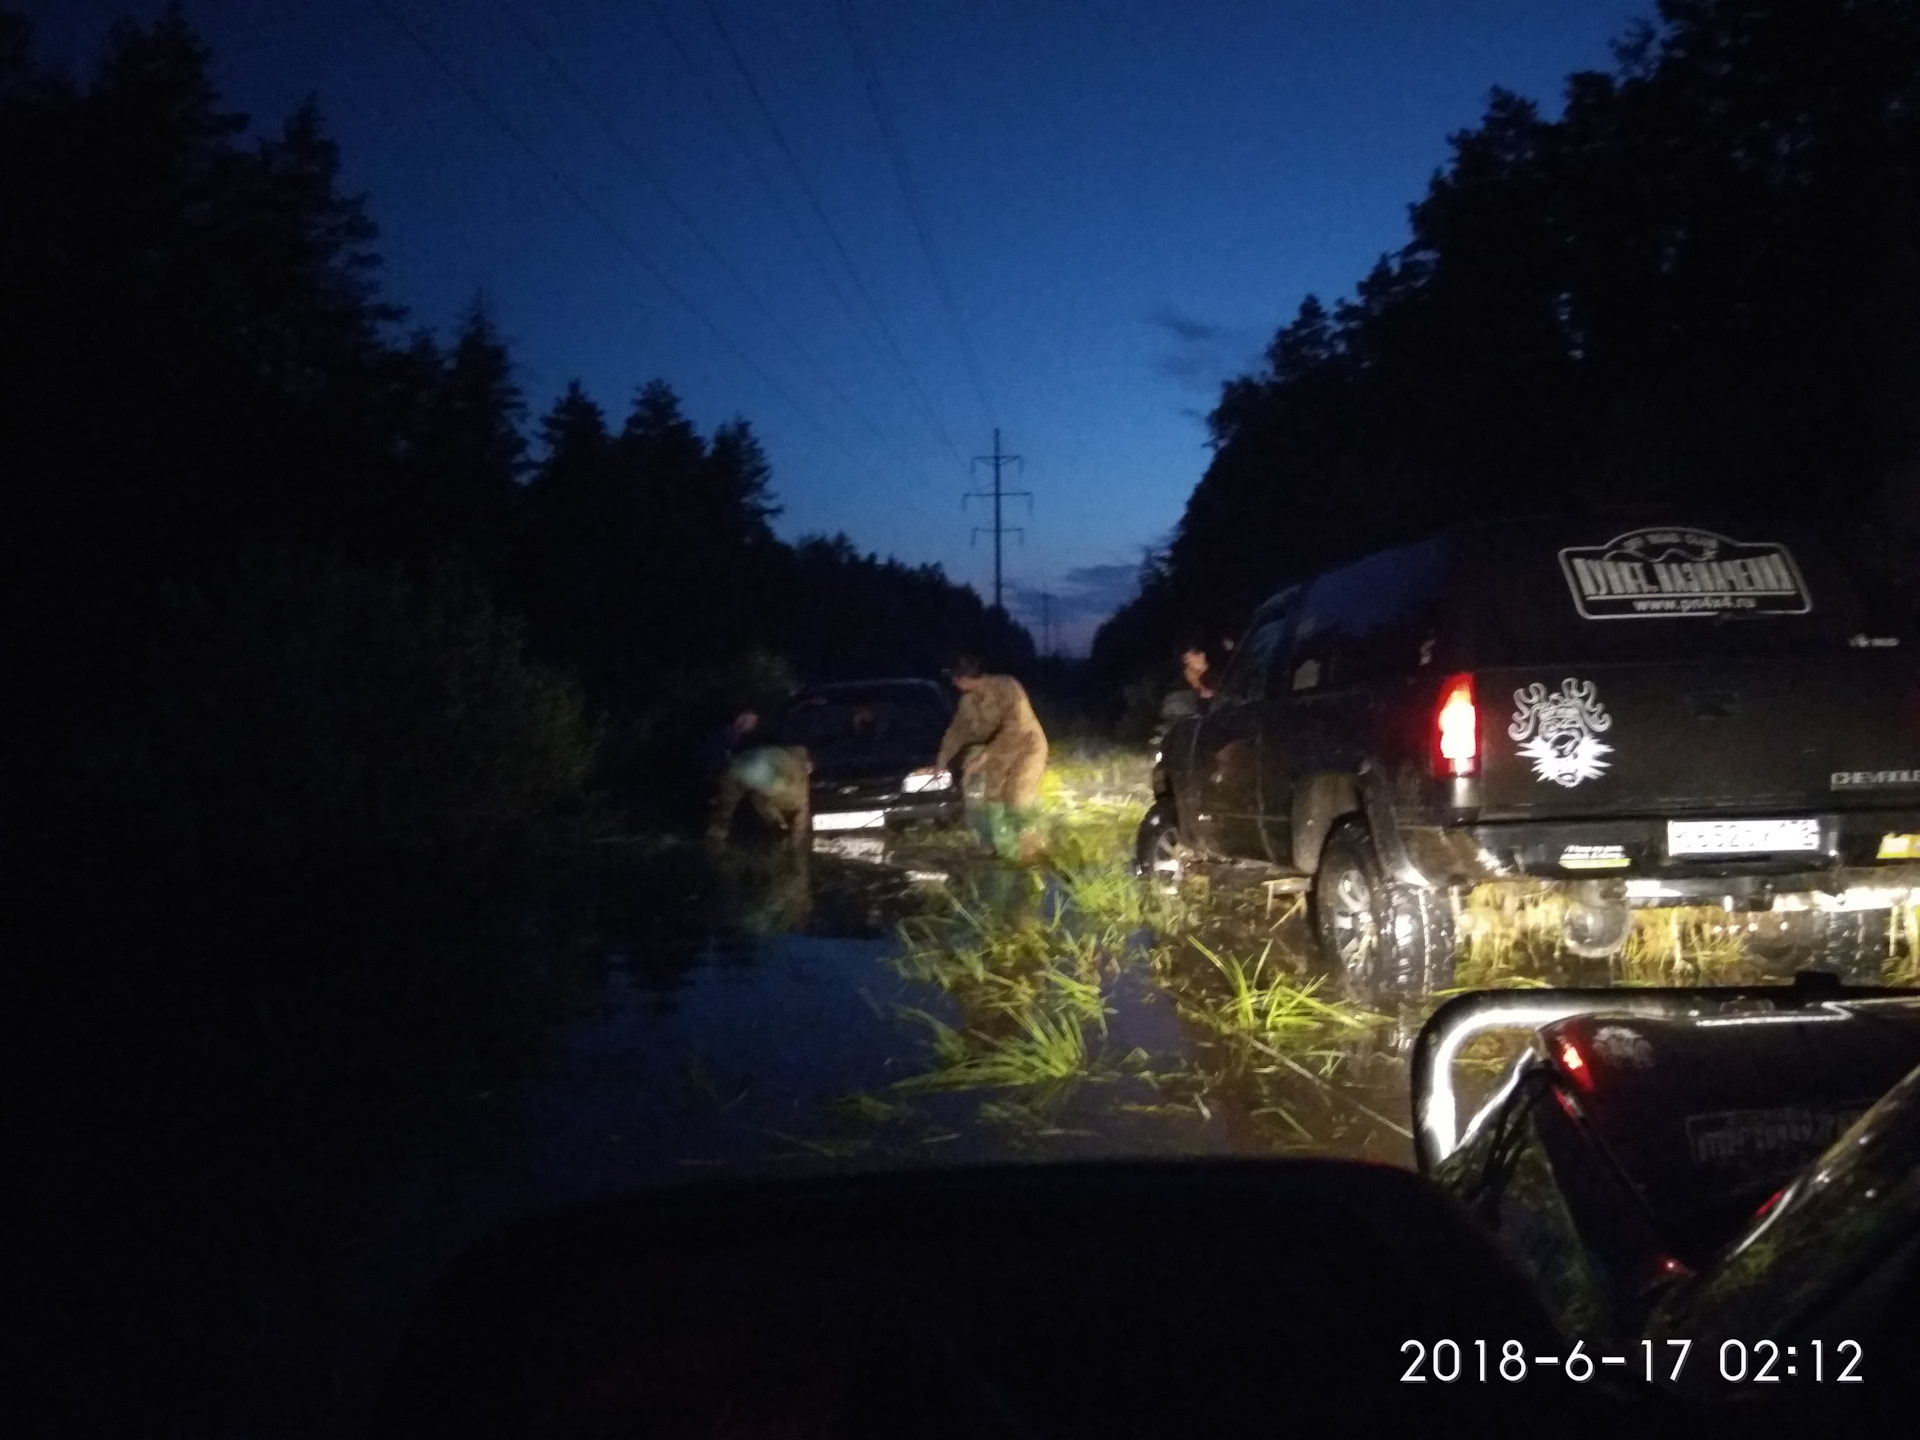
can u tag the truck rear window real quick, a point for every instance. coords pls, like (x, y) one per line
(1595, 591)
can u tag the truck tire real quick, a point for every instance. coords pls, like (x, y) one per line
(1157, 842)
(1852, 944)
(1380, 940)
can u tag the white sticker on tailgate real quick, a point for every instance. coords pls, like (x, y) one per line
(1559, 729)
(1740, 837)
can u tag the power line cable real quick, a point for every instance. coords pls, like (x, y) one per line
(619, 236)
(862, 326)
(694, 69)
(652, 176)
(896, 153)
(833, 234)
(639, 160)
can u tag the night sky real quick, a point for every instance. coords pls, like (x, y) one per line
(1069, 219)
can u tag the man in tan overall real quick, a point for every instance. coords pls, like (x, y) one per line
(775, 779)
(994, 714)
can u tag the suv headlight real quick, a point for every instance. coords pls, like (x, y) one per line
(919, 784)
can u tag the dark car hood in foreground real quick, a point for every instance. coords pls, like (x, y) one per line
(906, 1304)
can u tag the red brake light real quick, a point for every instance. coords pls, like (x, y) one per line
(1572, 1063)
(1575, 1064)
(1457, 728)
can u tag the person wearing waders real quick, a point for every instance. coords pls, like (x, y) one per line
(774, 778)
(995, 714)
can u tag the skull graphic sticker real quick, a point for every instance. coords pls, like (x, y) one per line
(1558, 729)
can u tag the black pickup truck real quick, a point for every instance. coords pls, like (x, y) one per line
(1636, 712)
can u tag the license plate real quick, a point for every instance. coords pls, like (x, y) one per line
(1740, 837)
(851, 847)
(850, 820)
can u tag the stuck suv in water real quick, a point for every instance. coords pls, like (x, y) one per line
(1632, 712)
(866, 738)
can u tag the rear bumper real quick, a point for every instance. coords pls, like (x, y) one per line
(1847, 855)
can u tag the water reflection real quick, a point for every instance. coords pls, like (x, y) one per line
(294, 1116)
(762, 892)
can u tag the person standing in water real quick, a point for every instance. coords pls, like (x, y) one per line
(995, 714)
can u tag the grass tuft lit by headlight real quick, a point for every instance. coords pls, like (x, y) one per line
(1041, 980)
(1040, 1046)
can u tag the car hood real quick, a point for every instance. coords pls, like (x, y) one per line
(868, 762)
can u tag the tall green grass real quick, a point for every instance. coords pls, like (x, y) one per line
(1034, 963)
(1511, 935)
(1039, 1045)
(1028, 985)
(1029, 963)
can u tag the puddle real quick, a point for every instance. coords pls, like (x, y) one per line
(323, 1149)
(302, 1118)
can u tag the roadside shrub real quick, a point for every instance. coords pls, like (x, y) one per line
(305, 711)
(652, 759)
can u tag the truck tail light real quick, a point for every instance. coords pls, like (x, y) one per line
(1456, 729)
(1575, 1065)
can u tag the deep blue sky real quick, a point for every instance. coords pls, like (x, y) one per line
(1125, 199)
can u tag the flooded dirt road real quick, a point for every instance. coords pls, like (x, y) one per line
(254, 1165)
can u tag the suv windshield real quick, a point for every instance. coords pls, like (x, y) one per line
(1601, 589)
(876, 715)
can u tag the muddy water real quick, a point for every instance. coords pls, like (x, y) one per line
(247, 1239)
(765, 1036)
(756, 1029)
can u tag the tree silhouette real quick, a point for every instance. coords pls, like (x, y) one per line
(1698, 285)
(222, 462)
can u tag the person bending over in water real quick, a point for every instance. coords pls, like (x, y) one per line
(775, 779)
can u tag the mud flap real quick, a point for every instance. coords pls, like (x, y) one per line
(1376, 802)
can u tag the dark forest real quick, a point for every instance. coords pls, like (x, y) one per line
(1701, 285)
(265, 541)
(295, 584)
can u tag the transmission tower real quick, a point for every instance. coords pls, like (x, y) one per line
(997, 460)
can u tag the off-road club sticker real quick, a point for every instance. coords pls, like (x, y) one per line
(1557, 729)
(1766, 1142)
(1651, 574)
(1871, 779)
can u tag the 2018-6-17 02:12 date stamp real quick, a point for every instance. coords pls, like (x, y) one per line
(1740, 1362)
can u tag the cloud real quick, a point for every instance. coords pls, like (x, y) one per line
(1199, 355)
(1183, 327)
(1085, 596)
